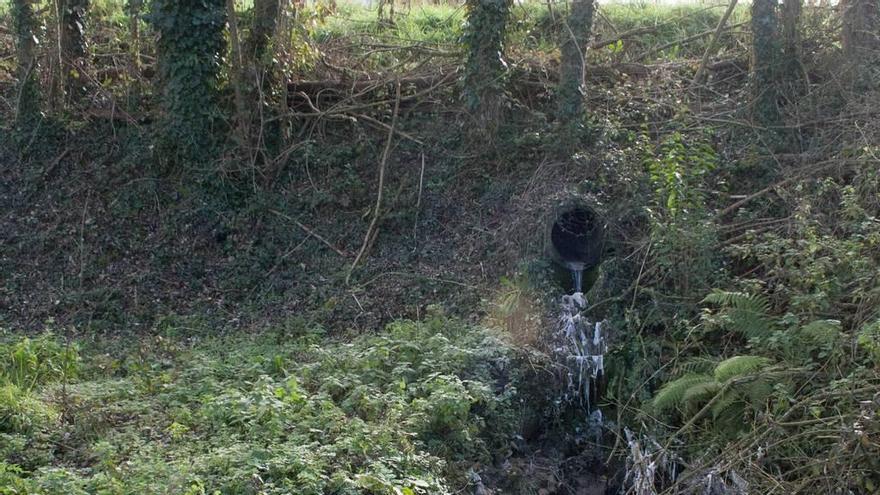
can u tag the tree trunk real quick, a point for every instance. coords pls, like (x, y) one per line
(134, 8)
(237, 74)
(791, 41)
(860, 34)
(485, 67)
(282, 42)
(766, 54)
(190, 50)
(73, 46)
(27, 103)
(265, 19)
(575, 40)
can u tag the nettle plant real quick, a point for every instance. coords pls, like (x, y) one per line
(683, 234)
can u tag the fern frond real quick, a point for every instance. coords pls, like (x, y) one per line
(672, 394)
(747, 322)
(698, 365)
(743, 313)
(757, 392)
(756, 303)
(739, 366)
(822, 331)
(724, 404)
(701, 392)
(731, 420)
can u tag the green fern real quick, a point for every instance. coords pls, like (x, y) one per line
(698, 365)
(757, 392)
(740, 300)
(743, 313)
(822, 331)
(690, 392)
(672, 394)
(724, 404)
(698, 394)
(738, 366)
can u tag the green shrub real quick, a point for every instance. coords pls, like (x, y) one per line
(22, 412)
(31, 362)
(12, 482)
(407, 410)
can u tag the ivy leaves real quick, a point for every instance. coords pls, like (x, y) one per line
(191, 46)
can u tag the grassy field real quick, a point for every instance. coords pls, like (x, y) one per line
(536, 26)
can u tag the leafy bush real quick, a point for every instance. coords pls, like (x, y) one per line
(31, 362)
(22, 412)
(801, 389)
(408, 410)
(11, 481)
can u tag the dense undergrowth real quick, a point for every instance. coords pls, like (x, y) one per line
(286, 411)
(740, 279)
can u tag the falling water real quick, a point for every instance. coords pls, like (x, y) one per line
(581, 345)
(577, 274)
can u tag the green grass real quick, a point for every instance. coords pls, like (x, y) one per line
(288, 411)
(422, 23)
(534, 27)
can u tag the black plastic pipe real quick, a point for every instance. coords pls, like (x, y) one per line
(577, 237)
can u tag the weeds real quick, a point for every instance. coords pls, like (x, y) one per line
(405, 411)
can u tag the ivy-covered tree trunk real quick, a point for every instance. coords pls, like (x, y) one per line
(791, 41)
(766, 55)
(73, 46)
(27, 104)
(485, 67)
(190, 48)
(265, 18)
(133, 9)
(575, 40)
(860, 33)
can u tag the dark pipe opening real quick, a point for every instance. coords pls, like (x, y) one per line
(577, 237)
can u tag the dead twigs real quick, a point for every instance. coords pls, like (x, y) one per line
(796, 177)
(622, 36)
(311, 233)
(701, 71)
(684, 41)
(372, 230)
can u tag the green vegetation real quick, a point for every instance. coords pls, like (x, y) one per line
(287, 411)
(239, 220)
(191, 46)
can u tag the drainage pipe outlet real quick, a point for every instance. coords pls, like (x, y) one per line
(577, 237)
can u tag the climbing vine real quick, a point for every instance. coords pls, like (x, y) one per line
(766, 55)
(485, 67)
(575, 37)
(28, 103)
(73, 45)
(190, 48)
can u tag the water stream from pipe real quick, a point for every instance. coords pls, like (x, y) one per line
(582, 347)
(577, 274)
